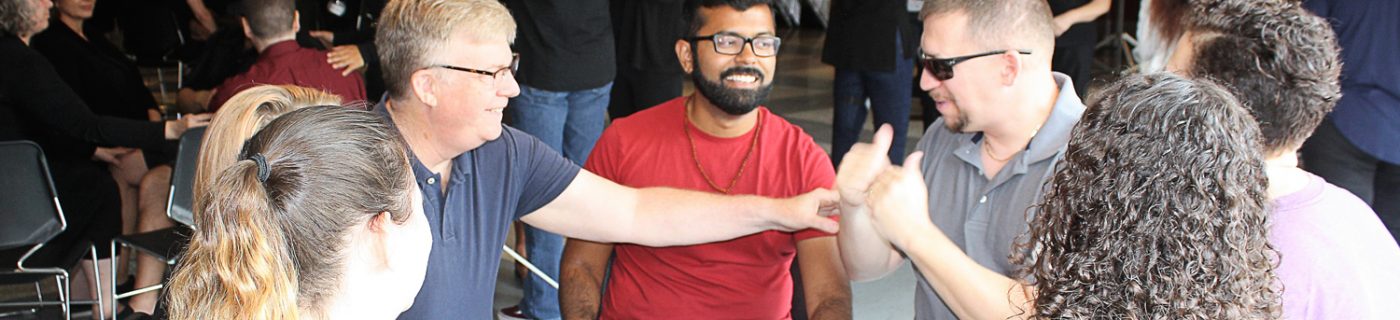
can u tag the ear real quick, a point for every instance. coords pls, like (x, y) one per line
(379, 238)
(1014, 62)
(296, 21)
(247, 30)
(683, 54)
(424, 85)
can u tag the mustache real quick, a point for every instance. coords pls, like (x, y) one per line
(743, 70)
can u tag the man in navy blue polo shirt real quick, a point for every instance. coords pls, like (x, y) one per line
(449, 73)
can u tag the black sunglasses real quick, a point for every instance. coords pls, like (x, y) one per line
(942, 69)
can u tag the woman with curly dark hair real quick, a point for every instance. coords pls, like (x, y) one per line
(1157, 211)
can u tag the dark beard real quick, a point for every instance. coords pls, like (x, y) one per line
(736, 102)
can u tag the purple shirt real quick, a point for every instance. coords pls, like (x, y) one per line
(1337, 260)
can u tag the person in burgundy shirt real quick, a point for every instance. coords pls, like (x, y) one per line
(718, 140)
(271, 25)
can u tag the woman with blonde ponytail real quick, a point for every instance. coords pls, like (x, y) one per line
(318, 218)
(240, 117)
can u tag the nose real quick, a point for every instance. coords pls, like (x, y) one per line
(508, 87)
(746, 54)
(927, 81)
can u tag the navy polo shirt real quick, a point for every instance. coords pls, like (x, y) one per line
(1369, 112)
(491, 186)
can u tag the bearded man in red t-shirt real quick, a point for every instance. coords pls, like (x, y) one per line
(717, 140)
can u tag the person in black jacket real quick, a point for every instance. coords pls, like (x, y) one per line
(35, 104)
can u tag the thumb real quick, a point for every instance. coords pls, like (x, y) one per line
(914, 163)
(882, 139)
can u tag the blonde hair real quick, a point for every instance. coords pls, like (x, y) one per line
(411, 30)
(243, 115)
(274, 229)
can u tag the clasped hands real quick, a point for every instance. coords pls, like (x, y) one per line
(893, 197)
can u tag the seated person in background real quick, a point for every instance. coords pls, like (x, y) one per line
(320, 219)
(1338, 261)
(36, 104)
(243, 115)
(1158, 210)
(109, 83)
(272, 25)
(718, 140)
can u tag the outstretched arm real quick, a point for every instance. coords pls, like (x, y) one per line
(899, 207)
(593, 208)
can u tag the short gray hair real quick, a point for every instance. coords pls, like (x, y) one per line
(16, 17)
(411, 29)
(1000, 22)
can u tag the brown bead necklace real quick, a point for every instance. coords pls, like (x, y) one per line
(695, 154)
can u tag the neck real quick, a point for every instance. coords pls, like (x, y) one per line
(74, 24)
(411, 117)
(1284, 175)
(25, 39)
(262, 44)
(1028, 113)
(708, 118)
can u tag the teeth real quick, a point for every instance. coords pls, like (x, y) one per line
(743, 78)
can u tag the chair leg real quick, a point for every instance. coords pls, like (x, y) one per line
(65, 287)
(113, 246)
(97, 280)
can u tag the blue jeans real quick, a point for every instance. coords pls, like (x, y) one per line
(570, 122)
(890, 95)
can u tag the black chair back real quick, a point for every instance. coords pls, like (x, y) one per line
(29, 210)
(181, 205)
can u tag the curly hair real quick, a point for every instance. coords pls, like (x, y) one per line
(1281, 61)
(1156, 212)
(16, 17)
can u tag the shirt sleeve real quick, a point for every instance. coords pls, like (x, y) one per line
(544, 172)
(819, 174)
(53, 104)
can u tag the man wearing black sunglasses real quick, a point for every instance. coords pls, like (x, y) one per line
(987, 66)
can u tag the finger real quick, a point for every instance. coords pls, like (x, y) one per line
(883, 137)
(823, 224)
(913, 164)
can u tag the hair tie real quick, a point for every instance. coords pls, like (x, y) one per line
(262, 166)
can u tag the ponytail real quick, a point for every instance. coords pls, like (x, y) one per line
(238, 264)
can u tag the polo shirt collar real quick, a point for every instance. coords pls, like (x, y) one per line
(461, 165)
(1049, 141)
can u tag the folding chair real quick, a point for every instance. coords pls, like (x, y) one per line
(32, 217)
(167, 244)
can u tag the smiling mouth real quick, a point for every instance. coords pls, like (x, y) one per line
(496, 110)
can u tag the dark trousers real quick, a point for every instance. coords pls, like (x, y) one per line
(1331, 156)
(636, 90)
(890, 101)
(1075, 61)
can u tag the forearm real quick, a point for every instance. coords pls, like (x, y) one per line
(1085, 13)
(202, 14)
(866, 255)
(673, 217)
(581, 279)
(969, 289)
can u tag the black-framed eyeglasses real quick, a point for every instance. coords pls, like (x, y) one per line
(733, 44)
(942, 69)
(496, 76)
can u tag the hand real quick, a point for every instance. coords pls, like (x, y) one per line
(807, 211)
(1062, 24)
(201, 31)
(327, 38)
(899, 203)
(110, 155)
(346, 57)
(861, 165)
(175, 128)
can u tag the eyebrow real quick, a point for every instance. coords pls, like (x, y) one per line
(760, 34)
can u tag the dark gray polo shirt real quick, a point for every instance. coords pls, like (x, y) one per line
(985, 217)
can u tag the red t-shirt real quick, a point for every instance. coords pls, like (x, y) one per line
(743, 278)
(286, 63)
